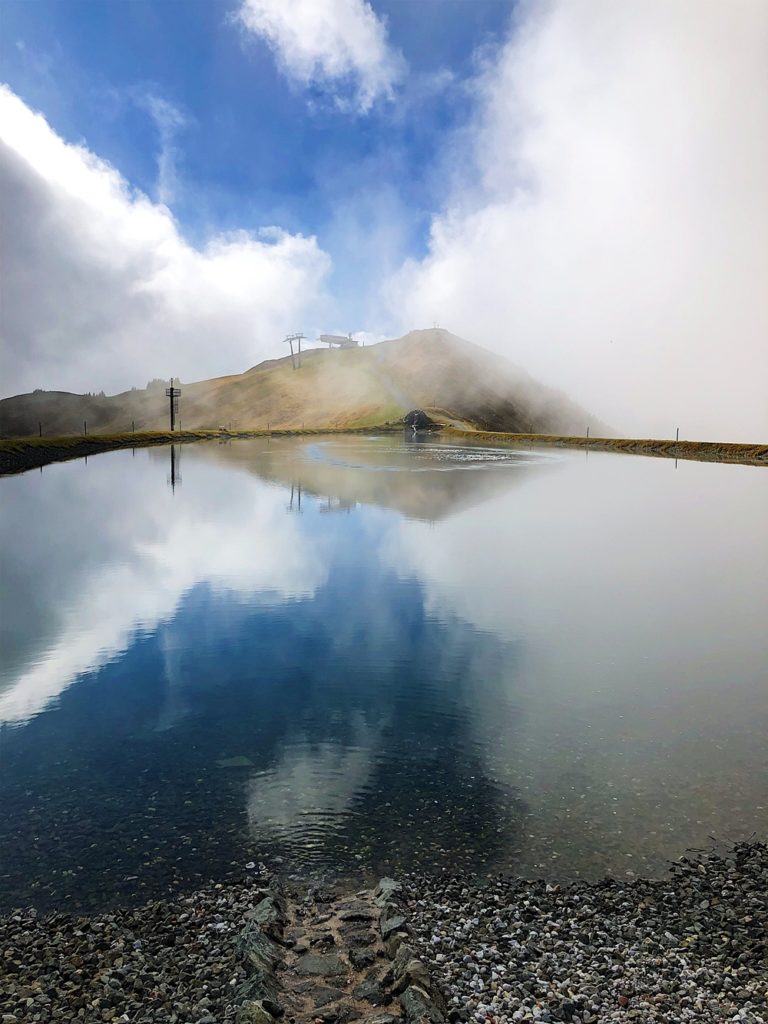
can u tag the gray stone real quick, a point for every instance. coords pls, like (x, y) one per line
(259, 985)
(413, 972)
(324, 996)
(358, 910)
(259, 949)
(387, 890)
(404, 953)
(354, 935)
(315, 964)
(362, 957)
(419, 1008)
(254, 1013)
(324, 940)
(372, 992)
(393, 943)
(268, 916)
(339, 1013)
(391, 920)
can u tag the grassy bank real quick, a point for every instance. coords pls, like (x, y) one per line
(18, 454)
(699, 451)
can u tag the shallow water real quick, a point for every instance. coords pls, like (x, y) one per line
(364, 654)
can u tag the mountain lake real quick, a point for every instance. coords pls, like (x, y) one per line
(354, 655)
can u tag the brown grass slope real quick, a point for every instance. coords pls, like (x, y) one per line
(349, 388)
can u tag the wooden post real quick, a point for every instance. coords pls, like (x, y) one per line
(677, 434)
(85, 427)
(133, 426)
(40, 429)
(587, 431)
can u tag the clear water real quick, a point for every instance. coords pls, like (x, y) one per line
(363, 654)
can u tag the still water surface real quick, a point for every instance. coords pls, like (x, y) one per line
(364, 654)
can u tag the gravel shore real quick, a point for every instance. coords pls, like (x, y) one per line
(167, 961)
(690, 948)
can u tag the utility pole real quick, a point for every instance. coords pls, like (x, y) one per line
(172, 394)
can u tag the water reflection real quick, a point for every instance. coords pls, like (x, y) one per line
(174, 477)
(488, 660)
(421, 478)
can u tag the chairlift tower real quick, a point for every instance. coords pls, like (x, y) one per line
(298, 338)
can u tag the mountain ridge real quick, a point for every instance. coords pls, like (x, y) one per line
(431, 369)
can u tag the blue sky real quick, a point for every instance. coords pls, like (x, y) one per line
(255, 148)
(577, 186)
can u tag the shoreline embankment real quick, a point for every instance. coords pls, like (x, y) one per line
(19, 454)
(442, 949)
(698, 451)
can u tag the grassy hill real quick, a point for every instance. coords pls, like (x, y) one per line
(455, 380)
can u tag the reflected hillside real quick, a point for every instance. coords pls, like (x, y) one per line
(423, 478)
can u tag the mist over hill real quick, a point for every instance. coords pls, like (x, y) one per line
(356, 387)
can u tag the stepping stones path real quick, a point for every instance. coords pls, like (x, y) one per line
(329, 959)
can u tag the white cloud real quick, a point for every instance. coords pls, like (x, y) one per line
(211, 532)
(608, 232)
(331, 43)
(100, 288)
(168, 120)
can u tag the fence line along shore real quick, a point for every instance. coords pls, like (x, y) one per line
(18, 454)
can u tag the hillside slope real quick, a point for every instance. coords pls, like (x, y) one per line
(430, 369)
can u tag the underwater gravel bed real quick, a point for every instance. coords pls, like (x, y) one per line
(693, 947)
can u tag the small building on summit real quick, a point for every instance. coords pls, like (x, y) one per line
(338, 341)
